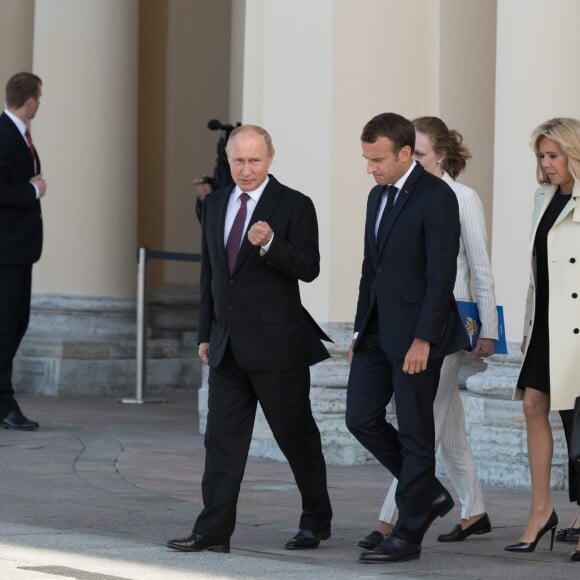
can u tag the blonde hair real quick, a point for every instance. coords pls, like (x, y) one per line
(565, 131)
(252, 129)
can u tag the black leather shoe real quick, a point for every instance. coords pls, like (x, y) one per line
(575, 556)
(371, 541)
(198, 543)
(567, 535)
(440, 507)
(458, 534)
(16, 420)
(392, 549)
(306, 539)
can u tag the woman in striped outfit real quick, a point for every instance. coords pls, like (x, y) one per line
(441, 152)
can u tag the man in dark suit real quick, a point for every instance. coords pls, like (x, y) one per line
(21, 187)
(406, 322)
(259, 239)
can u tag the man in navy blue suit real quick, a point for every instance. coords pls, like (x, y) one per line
(406, 322)
(21, 187)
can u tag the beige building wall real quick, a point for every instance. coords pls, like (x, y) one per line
(467, 86)
(351, 61)
(537, 79)
(313, 82)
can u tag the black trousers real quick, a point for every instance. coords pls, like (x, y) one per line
(15, 291)
(285, 400)
(573, 466)
(409, 452)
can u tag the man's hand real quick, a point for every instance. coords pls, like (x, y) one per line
(351, 352)
(202, 189)
(38, 180)
(203, 352)
(260, 234)
(417, 356)
(484, 347)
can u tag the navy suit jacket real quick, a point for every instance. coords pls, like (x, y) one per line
(258, 307)
(409, 279)
(20, 213)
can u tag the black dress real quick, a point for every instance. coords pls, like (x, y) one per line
(535, 371)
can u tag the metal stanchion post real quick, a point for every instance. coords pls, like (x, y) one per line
(141, 342)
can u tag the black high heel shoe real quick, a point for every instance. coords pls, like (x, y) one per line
(531, 546)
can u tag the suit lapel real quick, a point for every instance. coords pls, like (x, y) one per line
(221, 226)
(22, 145)
(402, 199)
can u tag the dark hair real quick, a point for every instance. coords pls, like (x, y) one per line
(392, 126)
(448, 142)
(20, 87)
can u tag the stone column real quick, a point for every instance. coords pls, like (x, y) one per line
(16, 29)
(86, 133)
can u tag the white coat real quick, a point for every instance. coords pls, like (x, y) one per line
(564, 306)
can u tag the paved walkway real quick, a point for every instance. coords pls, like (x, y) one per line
(96, 492)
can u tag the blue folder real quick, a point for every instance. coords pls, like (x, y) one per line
(472, 323)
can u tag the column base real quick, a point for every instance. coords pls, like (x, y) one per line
(87, 345)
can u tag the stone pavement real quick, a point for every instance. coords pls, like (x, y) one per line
(96, 492)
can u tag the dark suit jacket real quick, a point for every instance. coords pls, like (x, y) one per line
(258, 308)
(20, 214)
(410, 278)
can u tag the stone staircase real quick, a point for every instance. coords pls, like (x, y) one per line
(86, 346)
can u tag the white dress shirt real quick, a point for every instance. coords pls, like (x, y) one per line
(234, 204)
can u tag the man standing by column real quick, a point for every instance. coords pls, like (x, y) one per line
(406, 322)
(21, 187)
(260, 238)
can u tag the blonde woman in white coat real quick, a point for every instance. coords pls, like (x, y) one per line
(441, 152)
(548, 379)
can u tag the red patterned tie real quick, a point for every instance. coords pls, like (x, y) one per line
(235, 235)
(30, 143)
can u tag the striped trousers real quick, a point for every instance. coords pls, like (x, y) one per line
(451, 445)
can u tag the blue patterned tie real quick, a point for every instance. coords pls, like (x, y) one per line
(235, 235)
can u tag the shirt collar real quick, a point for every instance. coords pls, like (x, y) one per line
(255, 195)
(17, 121)
(401, 181)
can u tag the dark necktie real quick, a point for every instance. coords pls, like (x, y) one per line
(391, 193)
(235, 235)
(28, 137)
